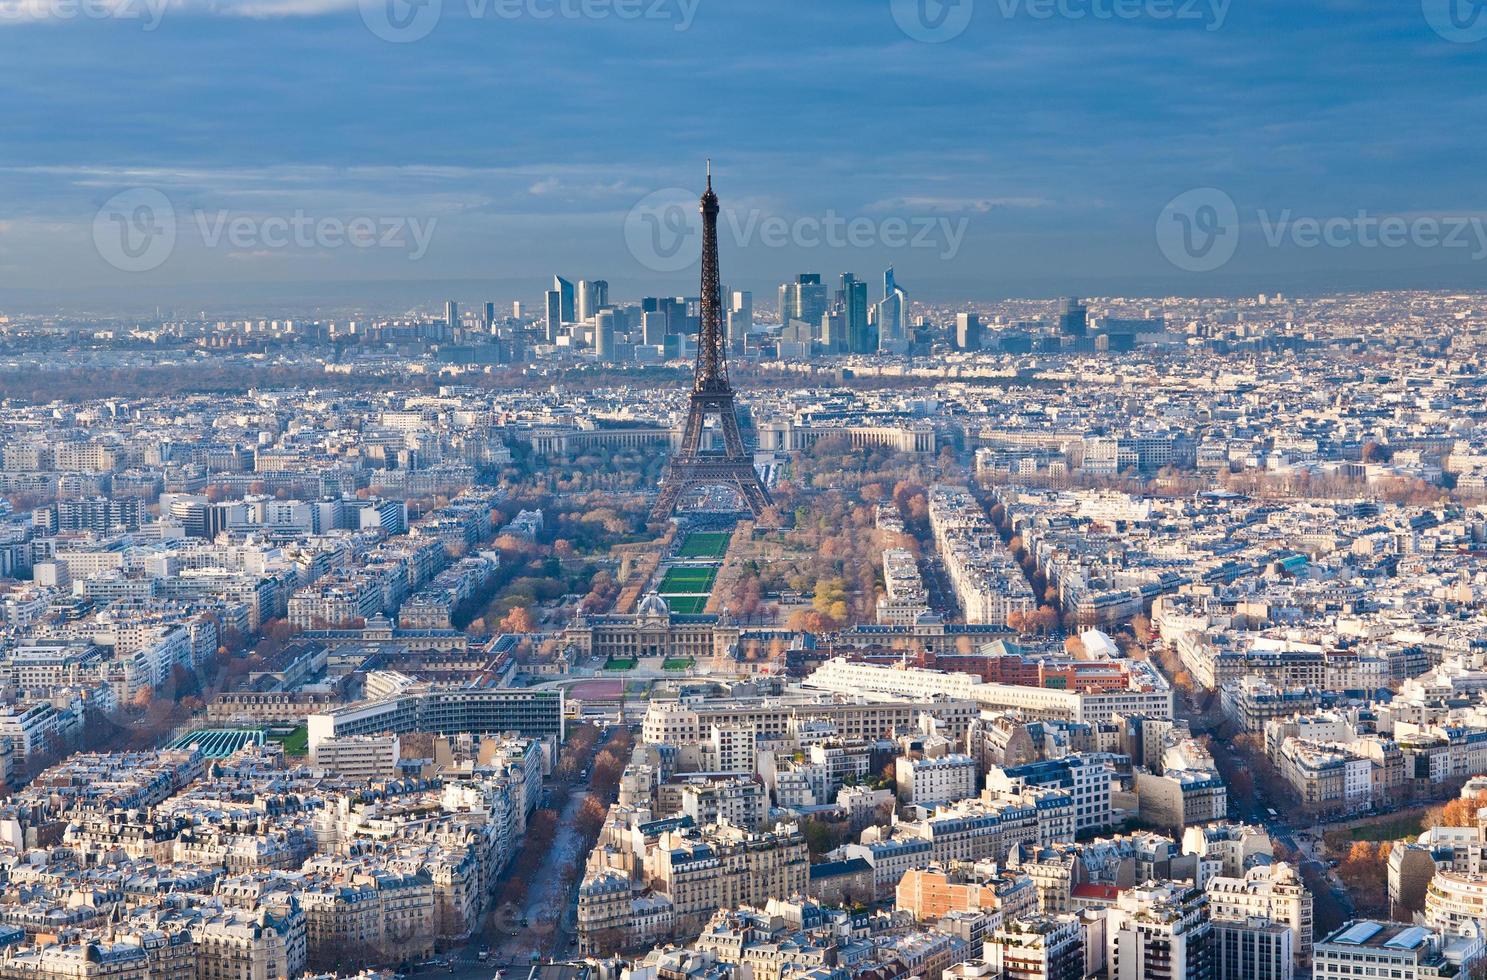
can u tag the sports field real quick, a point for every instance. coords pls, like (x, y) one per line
(688, 581)
(705, 544)
(687, 605)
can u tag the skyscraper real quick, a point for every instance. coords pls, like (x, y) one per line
(740, 320)
(585, 299)
(836, 338)
(604, 335)
(451, 315)
(803, 299)
(1073, 317)
(854, 313)
(967, 331)
(893, 316)
(490, 315)
(565, 293)
(653, 328)
(553, 316)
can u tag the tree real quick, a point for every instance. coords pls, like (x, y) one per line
(1141, 626)
(1462, 812)
(590, 818)
(518, 620)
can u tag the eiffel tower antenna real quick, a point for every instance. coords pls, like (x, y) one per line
(712, 396)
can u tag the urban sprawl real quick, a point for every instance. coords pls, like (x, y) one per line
(1133, 639)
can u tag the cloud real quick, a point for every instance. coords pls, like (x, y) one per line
(956, 205)
(150, 12)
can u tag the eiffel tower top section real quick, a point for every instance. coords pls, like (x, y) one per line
(712, 356)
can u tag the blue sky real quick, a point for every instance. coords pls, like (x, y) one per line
(1035, 153)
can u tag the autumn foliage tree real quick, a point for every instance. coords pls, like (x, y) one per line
(518, 620)
(1365, 872)
(1460, 812)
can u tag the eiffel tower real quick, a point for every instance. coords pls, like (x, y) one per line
(692, 467)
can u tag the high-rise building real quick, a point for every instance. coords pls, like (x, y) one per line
(604, 335)
(1252, 949)
(674, 311)
(553, 317)
(1073, 317)
(803, 299)
(740, 320)
(854, 312)
(893, 316)
(1274, 892)
(1037, 948)
(517, 310)
(653, 328)
(834, 336)
(451, 315)
(565, 294)
(1160, 932)
(967, 331)
(599, 293)
(585, 299)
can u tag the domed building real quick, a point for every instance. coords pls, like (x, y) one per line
(653, 630)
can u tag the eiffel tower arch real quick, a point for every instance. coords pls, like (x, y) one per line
(692, 466)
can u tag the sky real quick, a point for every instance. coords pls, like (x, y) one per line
(219, 152)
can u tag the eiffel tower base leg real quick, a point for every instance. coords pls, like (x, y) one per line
(685, 475)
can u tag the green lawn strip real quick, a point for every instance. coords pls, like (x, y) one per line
(705, 545)
(1389, 830)
(688, 581)
(297, 742)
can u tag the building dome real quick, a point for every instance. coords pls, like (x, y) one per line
(654, 606)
